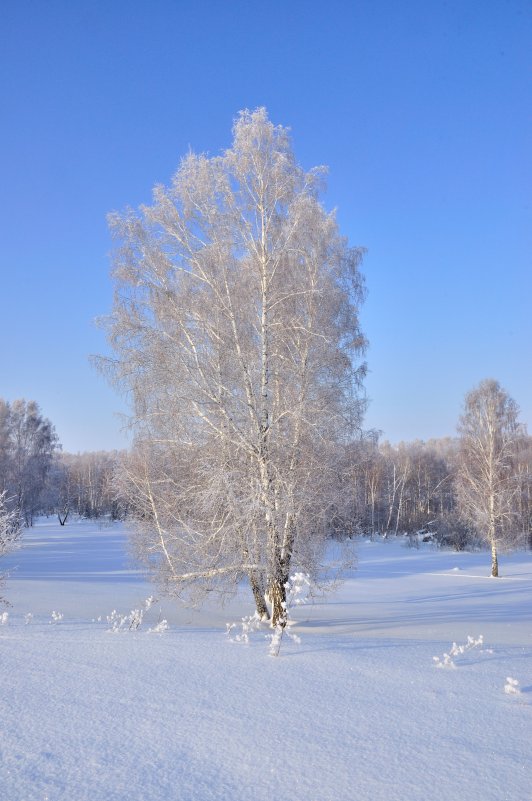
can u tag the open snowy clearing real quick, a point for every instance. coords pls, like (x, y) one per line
(357, 710)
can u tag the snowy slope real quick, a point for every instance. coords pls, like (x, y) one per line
(358, 710)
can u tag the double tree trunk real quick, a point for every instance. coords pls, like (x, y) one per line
(277, 587)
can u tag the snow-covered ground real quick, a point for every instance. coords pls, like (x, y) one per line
(358, 711)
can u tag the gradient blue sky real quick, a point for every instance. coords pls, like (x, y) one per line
(422, 110)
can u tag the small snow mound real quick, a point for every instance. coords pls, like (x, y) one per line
(512, 686)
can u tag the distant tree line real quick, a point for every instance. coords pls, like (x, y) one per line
(28, 445)
(413, 486)
(476, 487)
(37, 478)
(83, 484)
(436, 489)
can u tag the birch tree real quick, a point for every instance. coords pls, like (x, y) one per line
(28, 442)
(10, 528)
(487, 486)
(10, 525)
(236, 334)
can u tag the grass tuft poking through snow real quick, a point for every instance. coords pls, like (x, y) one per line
(457, 650)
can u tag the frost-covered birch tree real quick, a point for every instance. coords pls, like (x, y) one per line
(10, 525)
(28, 443)
(10, 528)
(487, 485)
(236, 334)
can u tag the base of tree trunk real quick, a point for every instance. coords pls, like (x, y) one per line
(494, 563)
(277, 594)
(258, 596)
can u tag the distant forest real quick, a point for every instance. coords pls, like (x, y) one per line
(411, 488)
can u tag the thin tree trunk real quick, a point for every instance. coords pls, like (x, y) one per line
(494, 560)
(258, 595)
(277, 593)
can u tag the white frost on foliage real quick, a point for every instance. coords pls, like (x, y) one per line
(248, 625)
(297, 589)
(131, 621)
(160, 628)
(457, 650)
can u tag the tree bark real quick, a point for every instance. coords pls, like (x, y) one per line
(494, 561)
(258, 595)
(277, 593)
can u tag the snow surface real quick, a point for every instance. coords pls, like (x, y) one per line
(355, 712)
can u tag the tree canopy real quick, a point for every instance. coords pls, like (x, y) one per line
(236, 333)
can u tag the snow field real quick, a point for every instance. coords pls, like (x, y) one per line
(354, 712)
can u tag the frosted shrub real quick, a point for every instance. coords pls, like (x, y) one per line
(116, 621)
(248, 624)
(4, 617)
(28, 617)
(457, 650)
(512, 686)
(130, 621)
(135, 619)
(57, 617)
(160, 628)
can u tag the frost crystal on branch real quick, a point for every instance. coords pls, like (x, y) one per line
(248, 625)
(297, 592)
(133, 620)
(457, 650)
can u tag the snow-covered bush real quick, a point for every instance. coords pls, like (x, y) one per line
(452, 532)
(57, 617)
(457, 650)
(248, 625)
(130, 621)
(424, 535)
(160, 628)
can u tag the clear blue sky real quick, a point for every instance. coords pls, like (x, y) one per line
(422, 110)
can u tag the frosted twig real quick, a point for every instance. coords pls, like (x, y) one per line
(457, 650)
